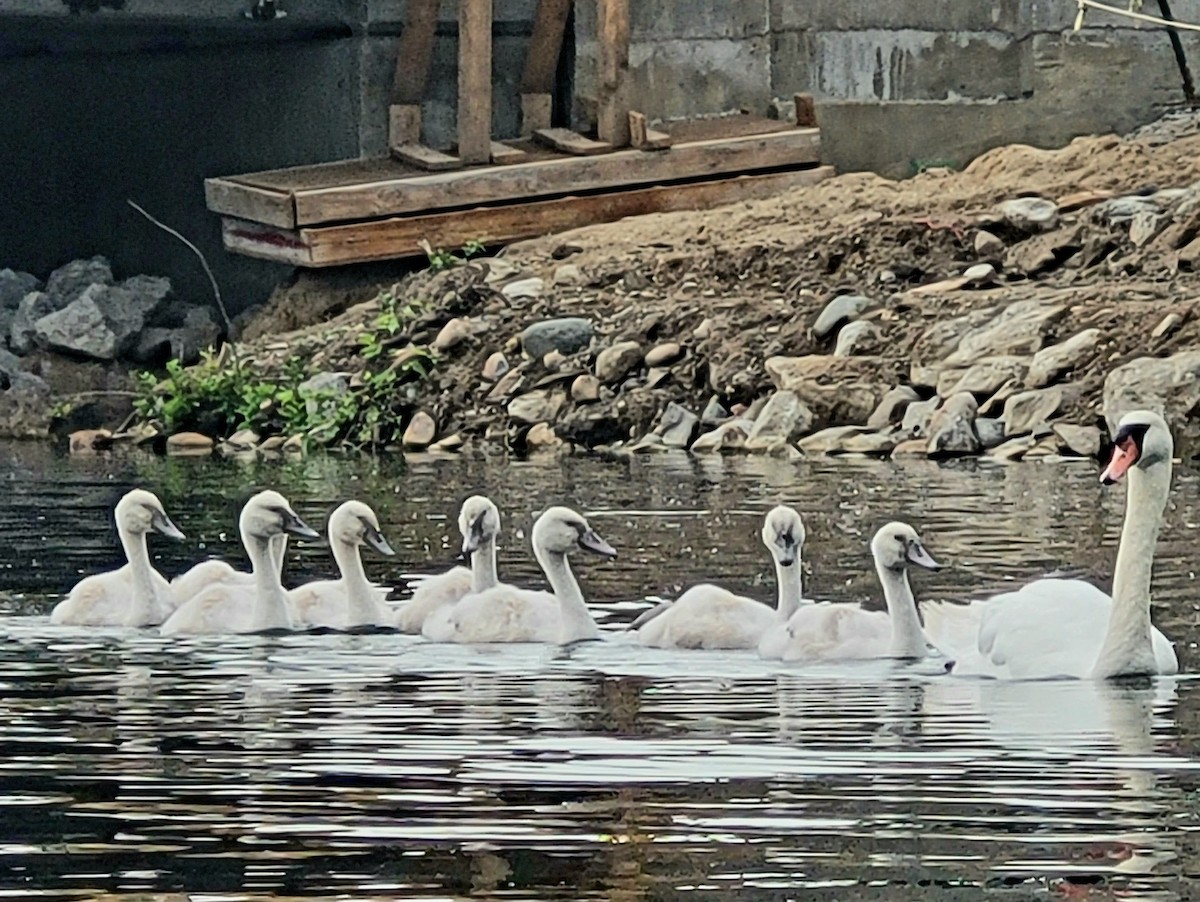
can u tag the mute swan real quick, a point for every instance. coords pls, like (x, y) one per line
(707, 616)
(135, 594)
(192, 582)
(230, 608)
(830, 632)
(1066, 627)
(479, 524)
(506, 614)
(352, 600)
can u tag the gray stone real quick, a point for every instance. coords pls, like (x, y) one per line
(321, 393)
(1167, 325)
(1019, 328)
(541, 437)
(568, 274)
(1143, 227)
(6, 320)
(81, 328)
(585, 389)
(1050, 363)
(852, 337)
(14, 286)
(1124, 209)
(541, 406)
(952, 428)
(730, 436)
(988, 245)
(68, 282)
(1028, 410)
(184, 343)
(567, 334)
(22, 333)
(891, 409)
(677, 426)
(144, 294)
(1029, 214)
(918, 415)
(714, 413)
(983, 378)
(1014, 448)
(420, 431)
(495, 366)
(783, 418)
(615, 363)
(1082, 440)
(980, 274)
(843, 308)
(990, 431)
(25, 409)
(664, 354)
(454, 333)
(1169, 385)
(847, 440)
(529, 287)
(838, 390)
(913, 447)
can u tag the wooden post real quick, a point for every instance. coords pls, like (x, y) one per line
(541, 63)
(412, 72)
(806, 111)
(475, 81)
(612, 118)
(642, 137)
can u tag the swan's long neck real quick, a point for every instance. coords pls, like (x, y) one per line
(360, 600)
(142, 596)
(483, 566)
(908, 639)
(790, 588)
(575, 620)
(271, 610)
(1128, 648)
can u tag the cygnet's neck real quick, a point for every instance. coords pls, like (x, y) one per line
(575, 620)
(483, 566)
(1128, 647)
(142, 595)
(271, 609)
(908, 639)
(790, 589)
(360, 599)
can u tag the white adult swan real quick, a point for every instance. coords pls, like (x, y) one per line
(479, 524)
(831, 632)
(135, 594)
(1067, 628)
(506, 614)
(230, 608)
(351, 601)
(708, 616)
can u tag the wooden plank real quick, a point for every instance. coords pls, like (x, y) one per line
(806, 111)
(404, 124)
(612, 94)
(253, 239)
(425, 157)
(571, 142)
(503, 155)
(643, 137)
(433, 191)
(536, 110)
(259, 204)
(545, 47)
(475, 81)
(416, 52)
(405, 236)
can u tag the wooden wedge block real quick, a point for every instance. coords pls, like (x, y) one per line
(642, 137)
(503, 155)
(806, 111)
(404, 124)
(425, 157)
(571, 142)
(536, 110)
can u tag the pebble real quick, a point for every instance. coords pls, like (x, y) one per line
(189, 443)
(420, 431)
(541, 436)
(585, 389)
(703, 330)
(495, 366)
(988, 245)
(980, 274)
(531, 287)
(454, 333)
(613, 364)
(1167, 325)
(664, 354)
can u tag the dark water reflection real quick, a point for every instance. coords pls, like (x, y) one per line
(378, 765)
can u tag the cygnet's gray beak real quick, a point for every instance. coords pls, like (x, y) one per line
(787, 555)
(161, 522)
(473, 538)
(297, 527)
(919, 556)
(375, 539)
(591, 541)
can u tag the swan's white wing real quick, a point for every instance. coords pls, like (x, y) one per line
(326, 603)
(707, 616)
(223, 608)
(103, 599)
(830, 632)
(432, 593)
(501, 614)
(192, 582)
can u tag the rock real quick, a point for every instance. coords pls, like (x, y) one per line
(68, 282)
(420, 431)
(189, 443)
(1029, 214)
(554, 360)
(585, 389)
(1082, 440)
(843, 308)
(703, 331)
(914, 447)
(567, 334)
(7, 315)
(983, 378)
(784, 418)
(14, 286)
(498, 270)
(159, 344)
(536, 406)
(918, 415)
(980, 274)
(1018, 328)
(293, 445)
(1124, 209)
(852, 336)
(147, 294)
(729, 436)
(449, 443)
(890, 409)
(243, 440)
(1167, 325)
(838, 390)
(714, 413)
(568, 274)
(454, 333)
(664, 354)
(30, 309)
(1169, 385)
(952, 428)
(647, 443)
(80, 328)
(495, 366)
(847, 440)
(1014, 448)
(272, 444)
(1026, 411)
(677, 426)
(541, 437)
(1143, 227)
(990, 431)
(615, 363)
(1050, 363)
(988, 245)
(529, 287)
(89, 441)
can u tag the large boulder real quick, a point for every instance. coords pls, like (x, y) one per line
(24, 400)
(14, 286)
(1019, 328)
(158, 344)
(952, 429)
(1169, 385)
(1029, 411)
(105, 320)
(782, 420)
(1050, 363)
(68, 282)
(22, 331)
(567, 335)
(839, 391)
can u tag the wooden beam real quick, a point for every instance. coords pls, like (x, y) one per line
(545, 47)
(642, 137)
(692, 159)
(475, 80)
(806, 111)
(503, 155)
(536, 111)
(425, 158)
(571, 142)
(404, 236)
(416, 52)
(232, 198)
(612, 95)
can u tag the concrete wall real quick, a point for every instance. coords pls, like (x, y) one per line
(147, 101)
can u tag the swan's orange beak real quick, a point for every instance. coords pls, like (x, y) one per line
(1124, 456)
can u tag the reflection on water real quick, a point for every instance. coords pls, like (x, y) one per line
(379, 765)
